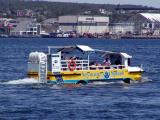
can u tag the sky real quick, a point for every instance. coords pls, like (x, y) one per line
(152, 3)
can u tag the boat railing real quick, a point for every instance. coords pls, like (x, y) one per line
(84, 65)
(101, 67)
(79, 65)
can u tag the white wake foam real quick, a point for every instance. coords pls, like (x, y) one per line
(22, 81)
(107, 83)
(146, 79)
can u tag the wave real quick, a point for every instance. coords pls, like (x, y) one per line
(35, 81)
(31, 81)
(146, 79)
(22, 81)
(143, 80)
(106, 83)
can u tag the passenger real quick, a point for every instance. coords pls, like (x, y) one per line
(66, 58)
(93, 65)
(98, 64)
(71, 58)
(107, 62)
(74, 58)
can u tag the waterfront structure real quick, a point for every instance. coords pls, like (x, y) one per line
(147, 23)
(50, 25)
(24, 13)
(26, 28)
(84, 24)
(8, 22)
(121, 28)
(6, 25)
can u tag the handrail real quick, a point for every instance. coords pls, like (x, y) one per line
(84, 65)
(107, 67)
(80, 65)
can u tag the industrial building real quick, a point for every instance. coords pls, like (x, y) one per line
(147, 23)
(121, 28)
(50, 25)
(84, 24)
(26, 28)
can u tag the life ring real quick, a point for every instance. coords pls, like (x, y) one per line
(72, 65)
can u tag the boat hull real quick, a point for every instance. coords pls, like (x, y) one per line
(87, 76)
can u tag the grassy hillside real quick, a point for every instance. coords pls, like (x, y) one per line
(43, 9)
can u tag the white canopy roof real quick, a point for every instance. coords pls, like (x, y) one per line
(125, 55)
(67, 49)
(153, 17)
(85, 48)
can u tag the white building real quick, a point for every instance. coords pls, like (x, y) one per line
(50, 25)
(147, 23)
(121, 28)
(84, 24)
(26, 28)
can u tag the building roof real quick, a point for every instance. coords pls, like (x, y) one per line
(153, 17)
(50, 21)
(123, 7)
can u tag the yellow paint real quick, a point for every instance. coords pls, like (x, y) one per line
(93, 75)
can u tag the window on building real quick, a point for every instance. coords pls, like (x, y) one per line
(150, 25)
(30, 33)
(31, 29)
(102, 24)
(35, 29)
(24, 33)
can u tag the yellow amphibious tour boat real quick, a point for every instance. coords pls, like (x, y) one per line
(81, 64)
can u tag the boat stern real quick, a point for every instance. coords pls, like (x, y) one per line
(135, 73)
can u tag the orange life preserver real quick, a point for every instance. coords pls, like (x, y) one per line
(72, 65)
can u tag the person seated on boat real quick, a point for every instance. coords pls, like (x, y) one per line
(106, 62)
(71, 58)
(93, 65)
(67, 58)
(99, 66)
(74, 58)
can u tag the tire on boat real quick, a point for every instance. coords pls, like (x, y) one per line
(82, 82)
(127, 80)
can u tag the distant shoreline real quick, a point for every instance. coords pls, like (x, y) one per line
(123, 38)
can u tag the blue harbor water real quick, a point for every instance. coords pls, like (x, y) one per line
(22, 98)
